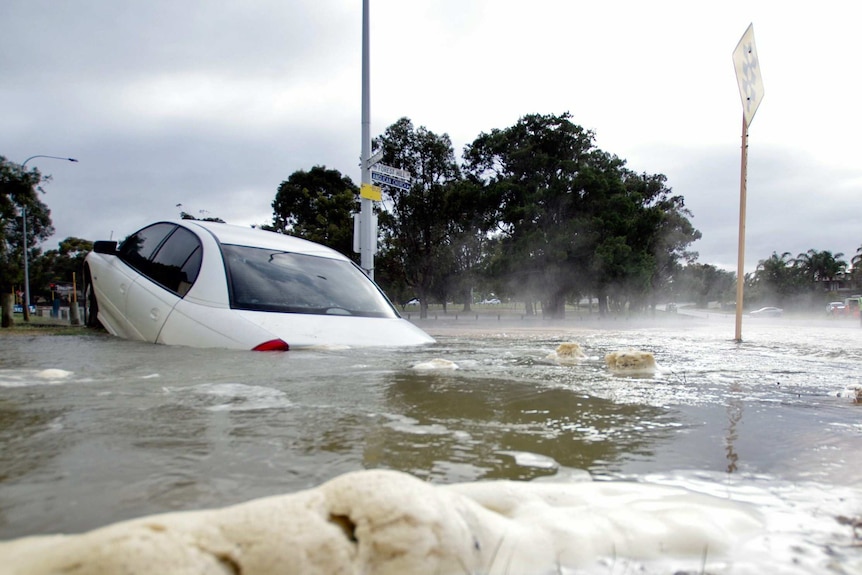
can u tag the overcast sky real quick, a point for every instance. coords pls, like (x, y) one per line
(212, 104)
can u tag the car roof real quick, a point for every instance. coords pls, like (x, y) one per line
(247, 236)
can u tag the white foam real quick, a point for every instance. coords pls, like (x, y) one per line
(528, 459)
(11, 378)
(239, 396)
(436, 363)
(387, 523)
(851, 392)
(406, 424)
(53, 373)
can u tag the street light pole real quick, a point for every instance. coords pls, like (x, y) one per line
(367, 230)
(24, 227)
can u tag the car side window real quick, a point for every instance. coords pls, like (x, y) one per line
(137, 249)
(176, 264)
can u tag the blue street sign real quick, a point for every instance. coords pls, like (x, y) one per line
(389, 181)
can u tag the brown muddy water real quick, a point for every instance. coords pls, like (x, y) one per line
(94, 429)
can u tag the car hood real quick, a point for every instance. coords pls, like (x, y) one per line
(307, 330)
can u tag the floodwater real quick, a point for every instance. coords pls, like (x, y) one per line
(95, 429)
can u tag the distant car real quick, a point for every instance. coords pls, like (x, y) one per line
(492, 301)
(671, 307)
(767, 312)
(208, 284)
(413, 301)
(835, 307)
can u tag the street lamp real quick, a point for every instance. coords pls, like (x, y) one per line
(24, 223)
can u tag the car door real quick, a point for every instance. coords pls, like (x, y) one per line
(165, 279)
(136, 252)
(112, 278)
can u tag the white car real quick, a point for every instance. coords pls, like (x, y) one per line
(209, 284)
(768, 312)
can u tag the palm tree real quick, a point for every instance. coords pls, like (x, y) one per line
(856, 262)
(773, 270)
(820, 266)
(776, 276)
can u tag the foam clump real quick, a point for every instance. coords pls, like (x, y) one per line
(53, 373)
(436, 363)
(631, 361)
(567, 353)
(388, 522)
(854, 392)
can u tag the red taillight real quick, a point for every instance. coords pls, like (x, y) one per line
(272, 345)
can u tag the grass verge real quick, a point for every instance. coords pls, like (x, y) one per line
(39, 325)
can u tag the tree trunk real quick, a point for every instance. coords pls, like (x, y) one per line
(423, 304)
(7, 302)
(603, 303)
(555, 307)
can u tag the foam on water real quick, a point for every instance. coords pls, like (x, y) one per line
(784, 404)
(436, 363)
(235, 396)
(806, 529)
(31, 377)
(387, 522)
(527, 459)
(412, 426)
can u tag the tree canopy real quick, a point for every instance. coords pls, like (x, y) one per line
(317, 205)
(18, 196)
(419, 223)
(571, 219)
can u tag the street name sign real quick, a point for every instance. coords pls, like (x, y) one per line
(385, 180)
(389, 176)
(390, 171)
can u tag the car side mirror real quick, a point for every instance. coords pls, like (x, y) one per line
(105, 247)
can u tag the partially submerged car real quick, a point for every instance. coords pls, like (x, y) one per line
(209, 284)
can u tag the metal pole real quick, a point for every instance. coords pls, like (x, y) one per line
(24, 226)
(740, 266)
(26, 309)
(367, 233)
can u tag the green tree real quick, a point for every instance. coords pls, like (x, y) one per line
(57, 266)
(703, 283)
(534, 180)
(659, 234)
(573, 220)
(468, 242)
(856, 263)
(317, 205)
(18, 193)
(820, 267)
(776, 279)
(418, 227)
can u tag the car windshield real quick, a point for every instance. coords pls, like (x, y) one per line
(271, 280)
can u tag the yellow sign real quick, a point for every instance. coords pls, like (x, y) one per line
(370, 192)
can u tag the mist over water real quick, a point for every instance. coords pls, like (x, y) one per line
(95, 429)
